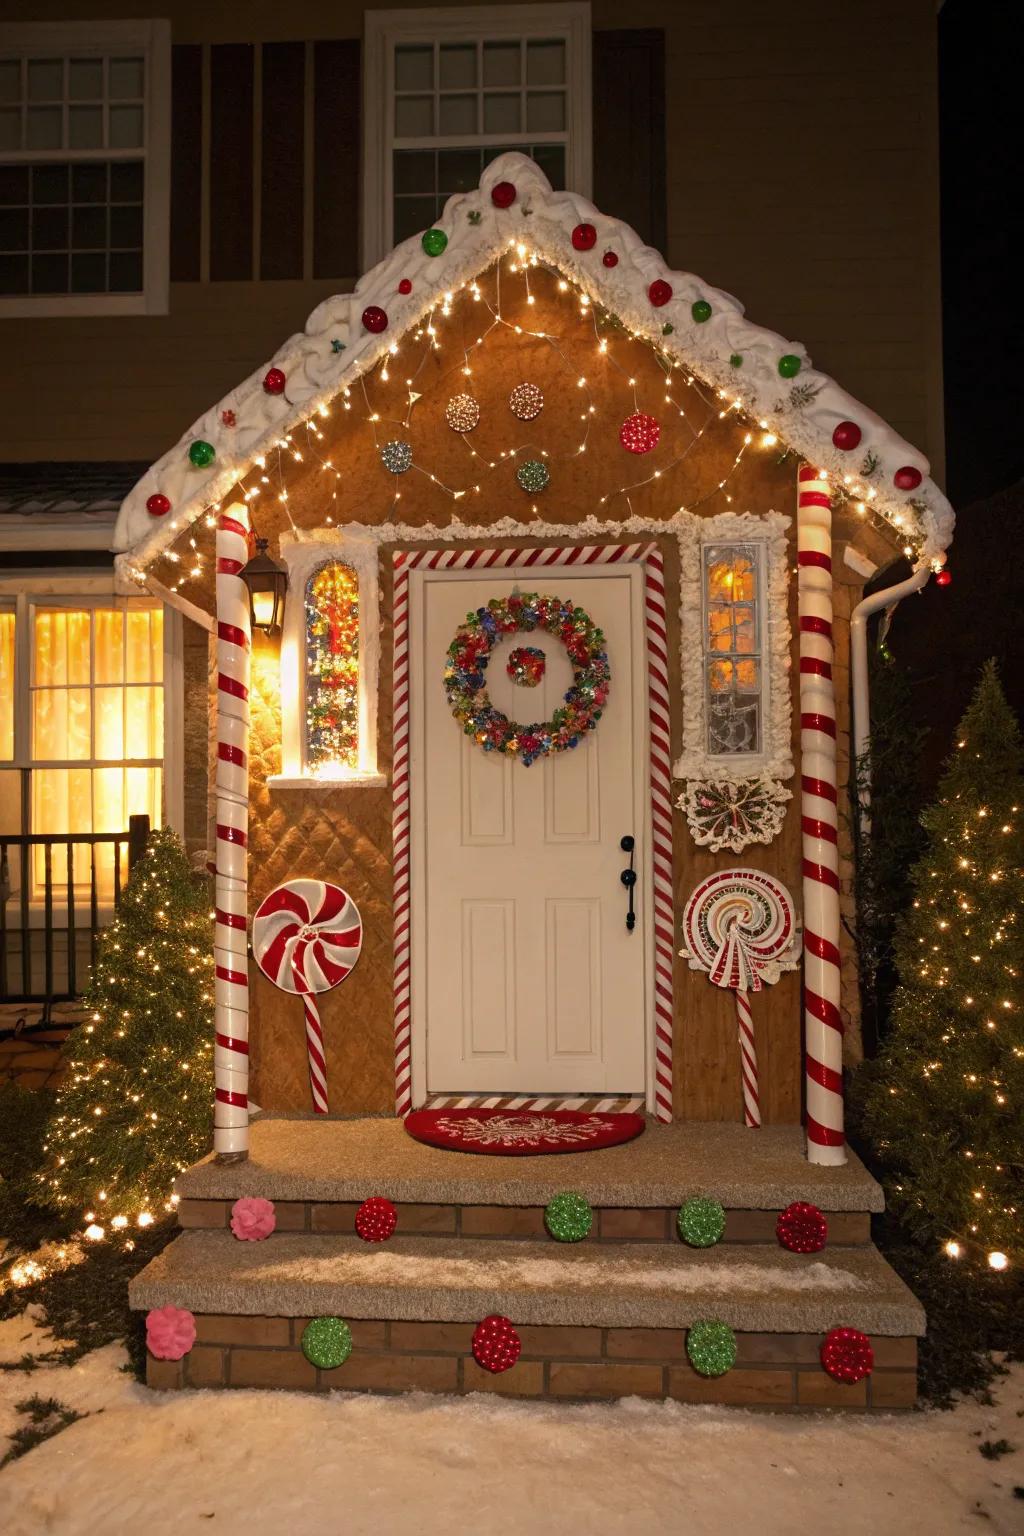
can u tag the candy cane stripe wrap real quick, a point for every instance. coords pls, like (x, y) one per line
(823, 1027)
(231, 1046)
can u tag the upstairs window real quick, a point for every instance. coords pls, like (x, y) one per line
(84, 168)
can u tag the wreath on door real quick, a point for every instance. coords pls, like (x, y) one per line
(465, 675)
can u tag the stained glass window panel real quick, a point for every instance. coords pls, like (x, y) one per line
(332, 669)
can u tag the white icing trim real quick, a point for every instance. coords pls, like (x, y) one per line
(803, 414)
(775, 760)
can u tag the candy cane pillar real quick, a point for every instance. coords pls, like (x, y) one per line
(823, 1025)
(231, 1050)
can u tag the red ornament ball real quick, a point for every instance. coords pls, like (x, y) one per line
(496, 1344)
(610, 259)
(944, 579)
(158, 505)
(908, 478)
(274, 381)
(802, 1228)
(659, 292)
(846, 436)
(405, 286)
(847, 1355)
(584, 237)
(503, 194)
(375, 319)
(376, 1219)
(639, 433)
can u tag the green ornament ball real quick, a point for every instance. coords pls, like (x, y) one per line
(711, 1346)
(201, 454)
(701, 1222)
(327, 1342)
(736, 360)
(568, 1217)
(533, 476)
(700, 309)
(789, 365)
(434, 242)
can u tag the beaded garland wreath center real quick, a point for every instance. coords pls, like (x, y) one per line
(465, 675)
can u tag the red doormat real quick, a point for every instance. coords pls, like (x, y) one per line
(521, 1132)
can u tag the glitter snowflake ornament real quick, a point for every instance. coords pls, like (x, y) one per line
(639, 433)
(376, 1219)
(847, 1356)
(568, 1217)
(701, 1222)
(526, 401)
(533, 476)
(496, 1344)
(711, 1347)
(396, 456)
(462, 413)
(327, 1342)
(802, 1228)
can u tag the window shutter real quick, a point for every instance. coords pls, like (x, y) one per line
(629, 129)
(337, 87)
(283, 165)
(186, 159)
(231, 142)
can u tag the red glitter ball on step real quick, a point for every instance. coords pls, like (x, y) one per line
(944, 579)
(846, 436)
(610, 259)
(659, 292)
(584, 237)
(503, 194)
(376, 1219)
(405, 286)
(158, 505)
(375, 319)
(639, 433)
(847, 1355)
(908, 478)
(802, 1228)
(274, 381)
(496, 1344)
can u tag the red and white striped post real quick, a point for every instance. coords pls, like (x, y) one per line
(231, 1050)
(823, 1025)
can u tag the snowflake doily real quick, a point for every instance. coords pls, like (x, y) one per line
(522, 1131)
(725, 813)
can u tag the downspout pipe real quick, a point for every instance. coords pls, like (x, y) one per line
(887, 597)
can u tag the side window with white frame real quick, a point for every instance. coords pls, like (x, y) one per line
(84, 167)
(732, 587)
(449, 90)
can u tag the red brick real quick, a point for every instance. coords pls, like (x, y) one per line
(893, 1389)
(638, 1226)
(755, 1388)
(816, 1389)
(750, 1226)
(426, 1219)
(778, 1348)
(333, 1216)
(367, 1334)
(552, 1342)
(434, 1338)
(502, 1221)
(204, 1366)
(900, 1353)
(164, 1375)
(849, 1226)
(605, 1380)
(271, 1368)
(290, 1215)
(203, 1213)
(396, 1373)
(525, 1379)
(646, 1343)
(213, 1328)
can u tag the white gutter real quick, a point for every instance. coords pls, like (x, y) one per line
(888, 597)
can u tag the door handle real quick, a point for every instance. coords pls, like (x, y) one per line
(628, 878)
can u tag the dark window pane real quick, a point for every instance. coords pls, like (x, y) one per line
(458, 170)
(88, 274)
(49, 274)
(126, 272)
(13, 229)
(88, 229)
(89, 183)
(126, 228)
(49, 229)
(13, 274)
(414, 170)
(50, 183)
(551, 159)
(13, 184)
(126, 182)
(411, 215)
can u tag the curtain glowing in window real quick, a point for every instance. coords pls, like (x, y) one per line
(732, 648)
(6, 685)
(332, 668)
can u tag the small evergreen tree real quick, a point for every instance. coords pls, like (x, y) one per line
(135, 1104)
(943, 1106)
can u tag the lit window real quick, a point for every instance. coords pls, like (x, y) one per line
(6, 684)
(332, 668)
(84, 149)
(732, 648)
(460, 89)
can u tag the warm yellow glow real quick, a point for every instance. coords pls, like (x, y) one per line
(998, 1261)
(94, 1233)
(953, 1249)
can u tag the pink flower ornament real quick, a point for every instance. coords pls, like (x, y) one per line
(170, 1332)
(252, 1219)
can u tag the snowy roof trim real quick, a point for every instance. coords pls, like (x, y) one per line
(316, 367)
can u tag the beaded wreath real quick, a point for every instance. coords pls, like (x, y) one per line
(465, 675)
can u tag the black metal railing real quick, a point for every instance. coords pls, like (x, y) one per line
(57, 892)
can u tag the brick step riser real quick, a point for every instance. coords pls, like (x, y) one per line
(777, 1371)
(611, 1224)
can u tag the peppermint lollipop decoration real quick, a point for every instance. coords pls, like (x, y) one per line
(740, 926)
(306, 937)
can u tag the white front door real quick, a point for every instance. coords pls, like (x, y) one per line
(525, 976)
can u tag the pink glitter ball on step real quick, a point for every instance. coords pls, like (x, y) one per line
(170, 1332)
(253, 1219)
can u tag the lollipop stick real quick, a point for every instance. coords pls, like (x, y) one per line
(315, 1053)
(748, 1060)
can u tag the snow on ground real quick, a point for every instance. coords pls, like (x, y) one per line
(287, 1464)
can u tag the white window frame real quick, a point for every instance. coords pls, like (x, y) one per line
(385, 29)
(151, 39)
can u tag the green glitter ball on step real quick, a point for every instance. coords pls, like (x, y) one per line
(568, 1217)
(711, 1346)
(327, 1342)
(789, 365)
(700, 310)
(533, 476)
(201, 455)
(701, 1222)
(434, 242)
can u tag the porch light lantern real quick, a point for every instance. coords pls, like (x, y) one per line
(267, 583)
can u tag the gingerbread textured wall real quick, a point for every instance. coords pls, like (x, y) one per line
(514, 327)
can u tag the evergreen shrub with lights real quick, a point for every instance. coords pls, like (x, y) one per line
(135, 1105)
(942, 1108)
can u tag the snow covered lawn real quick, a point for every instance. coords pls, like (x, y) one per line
(256, 1463)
